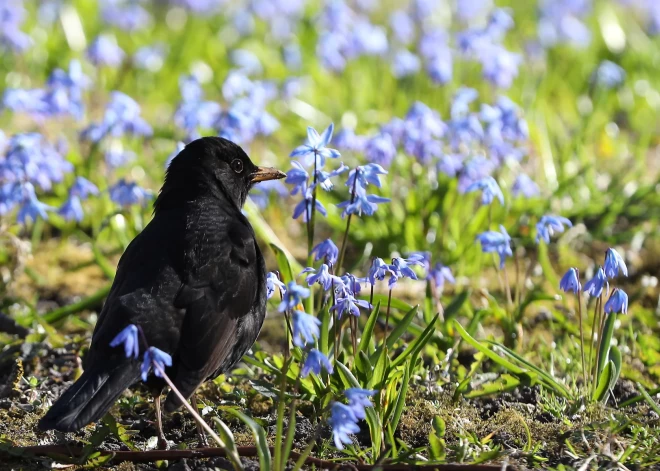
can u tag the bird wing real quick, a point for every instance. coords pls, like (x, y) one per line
(219, 291)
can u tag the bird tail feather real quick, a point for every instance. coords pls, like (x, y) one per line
(89, 398)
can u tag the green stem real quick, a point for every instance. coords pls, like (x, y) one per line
(280, 419)
(342, 251)
(584, 368)
(90, 301)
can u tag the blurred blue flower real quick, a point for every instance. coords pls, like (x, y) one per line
(473, 170)
(450, 164)
(151, 57)
(128, 193)
(352, 284)
(116, 156)
(594, 287)
(193, 112)
(314, 362)
(12, 16)
(127, 15)
(548, 225)
(344, 423)
(380, 150)
(122, 116)
(525, 186)
(246, 61)
(293, 296)
(562, 21)
(405, 63)
(368, 39)
(31, 207)
(128, 337)
(440, 274)
(305, 328)
(329, 50)
(322, 276)
(469, 9)
(358, 399)
(326, 250)
(292, 56)
(72, 209)
(316, 147)
(347, 303)
(460, 105)
(260, 195)
(618, 302)
(570, 282)
(365, 174)
(304, 208)
(499, 22)
(496, 242)
(273, 282)
(236, 84)
(402, 26)
(33, 102)
(362, 203)
(432, 43)
(500, 66)
(609, 75)
(154, 356)
(489, 190)
(104, 50)
(440, 67)
(614, 263)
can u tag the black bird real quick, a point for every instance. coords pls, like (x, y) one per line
(194, 281)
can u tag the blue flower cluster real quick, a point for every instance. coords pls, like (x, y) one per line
(344, 418)
(617, 301)
(153, 359)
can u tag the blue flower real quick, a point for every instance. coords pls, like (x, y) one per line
(358, 399)
(12, 16)
(316, 147)
(156, 357)
(380, 149)
(305, 328)
(72, 209)
(293, 296)
(346, 303)
(499, 65)
(489, 190)
(405, 63)
(343, 422)
(83, 188)
(609, 75)
(570, 283)
(366, 174)
(401, 268)
(326, 250)
(323, 177)
(314, 363)
(116, 156)
(128, 337)
(193, 112)
(122, 116)
(322, 276)
(595, 286)
(150, 58)
(105, 51)
(298, 177)
(524, 186)
(304, 208)
(614, 263)
(273, 282)
(548, 225)
(496, 242)
(379, 270)
(618, 302)
(128, 193)
(441, 67)
(440, 274)
(362, 203)
(402, 26)
(125, 15)
(32, 208)
(352, 283)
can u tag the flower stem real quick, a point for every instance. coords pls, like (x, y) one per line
(387, 317)
(340, 259)
(584, 368)
(592, 346)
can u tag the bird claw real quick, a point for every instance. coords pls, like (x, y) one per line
(162, 444)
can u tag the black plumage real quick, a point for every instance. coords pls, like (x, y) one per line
(194, 280)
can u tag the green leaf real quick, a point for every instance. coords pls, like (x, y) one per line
(393, 421)
(368, 331)
(454, 307)
(381, 371)
(230, 444)
(439, 426)
(283, 263)
(652, 404)
(395, 303)
(544, 376)
(504, 363)
(260, 437)
(606, 342)
(604, 380)
(419, 343)
(615, 358)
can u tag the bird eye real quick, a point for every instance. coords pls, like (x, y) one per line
(237, 165)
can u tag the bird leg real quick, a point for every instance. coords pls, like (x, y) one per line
(203, 442)
(162, 441)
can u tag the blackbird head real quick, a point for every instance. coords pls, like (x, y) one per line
(212, 166)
